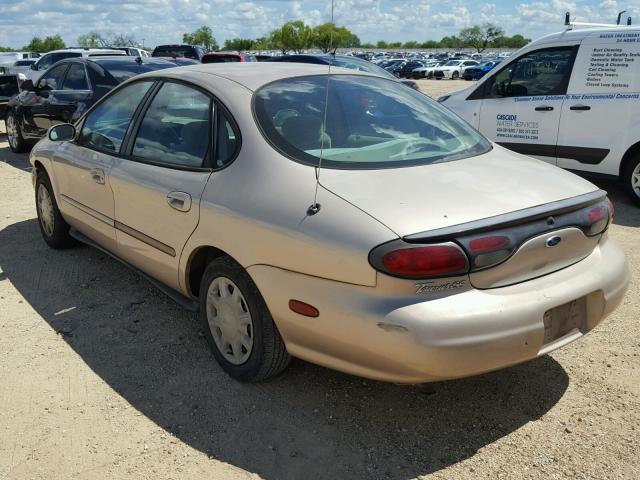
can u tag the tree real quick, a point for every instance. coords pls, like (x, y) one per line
(411, 44)
(382, 44)
(450, 42)
(480, 37)
(123, 40)
(90, 40)
(430, 44)
(238, 44)
(262, 43)
(328, 37)
(54, 42)
(203, 37)
(296, 36)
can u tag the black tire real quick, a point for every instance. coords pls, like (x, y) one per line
(268, 356)
(629, 172)
(17, 142)
(58, 236)
(455, 75)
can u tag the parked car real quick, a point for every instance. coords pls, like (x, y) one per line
(228, 57)
(565, 101)
(134, 51)
(479, 71)
(9, 86)
(427, 253)
(344, 61)
(48, 59)
(427, 70)
(453, 69)
(65, 91)
(22, 66)
(195, 52)
(406, 70)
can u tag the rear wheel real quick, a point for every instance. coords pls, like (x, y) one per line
(16, 142)
(238, 325)
(53, 227)
(631, 178)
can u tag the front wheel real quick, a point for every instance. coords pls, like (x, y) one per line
(54, 229)
(238, 325)
(455, 75)
(16, 141)
(631, 178)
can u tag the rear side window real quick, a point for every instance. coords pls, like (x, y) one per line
(176, 128)
(369, 123)
(105, 127)
(76, 78)
(227, 141)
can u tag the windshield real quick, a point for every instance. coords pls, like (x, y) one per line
(452, 63)
(371, 123)
(220, 58)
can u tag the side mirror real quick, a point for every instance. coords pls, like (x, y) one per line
(27, 86)
(34, 66)
(62, 133)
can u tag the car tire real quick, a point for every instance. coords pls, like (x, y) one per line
(631, 178)
(16, 142)
(239, 330)
(455, 75)
(54, 228)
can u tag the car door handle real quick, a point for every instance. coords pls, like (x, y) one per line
(181, 201)
(97, 175)
(579, 107)
(544, 108)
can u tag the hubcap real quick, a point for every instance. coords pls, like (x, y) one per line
(12, 131)
(45, 210)
(229, 320)
(635, 180)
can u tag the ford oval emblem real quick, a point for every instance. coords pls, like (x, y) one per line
(553, 241)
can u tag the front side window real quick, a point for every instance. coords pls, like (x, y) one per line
(175, 129)
(106, 126)
(76, 78)
(543, 72)
(51, 80)
(370, 123)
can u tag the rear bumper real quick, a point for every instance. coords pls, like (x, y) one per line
(412, 339)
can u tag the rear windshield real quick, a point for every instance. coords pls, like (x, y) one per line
(220, 58)
(175, 51)
(371, 123)
(122, 71)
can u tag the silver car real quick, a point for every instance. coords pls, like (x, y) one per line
(337, 218)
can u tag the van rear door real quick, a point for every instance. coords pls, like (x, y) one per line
(602, 103)
(522, 103)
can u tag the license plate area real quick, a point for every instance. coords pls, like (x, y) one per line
(563, 319)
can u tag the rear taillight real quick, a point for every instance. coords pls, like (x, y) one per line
(420, 261)
(598, 217)
(487, 250)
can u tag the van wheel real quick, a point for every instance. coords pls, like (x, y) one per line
(53, 227)
(238, 325)
(631, 178)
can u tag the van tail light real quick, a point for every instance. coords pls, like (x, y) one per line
(419, 261)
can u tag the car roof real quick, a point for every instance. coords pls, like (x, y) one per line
(252, 75)
(87, 50)
(581, 33)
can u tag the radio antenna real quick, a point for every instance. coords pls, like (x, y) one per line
(315, 206)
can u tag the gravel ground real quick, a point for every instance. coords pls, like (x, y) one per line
(101, 376)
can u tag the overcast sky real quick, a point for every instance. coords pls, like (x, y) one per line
(164, 21)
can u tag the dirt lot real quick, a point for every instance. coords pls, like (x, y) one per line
(101, 376)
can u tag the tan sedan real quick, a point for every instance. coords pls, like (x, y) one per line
(343, 219)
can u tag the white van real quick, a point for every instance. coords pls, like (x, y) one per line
(570, 98)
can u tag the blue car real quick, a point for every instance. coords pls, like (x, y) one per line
(475, 73)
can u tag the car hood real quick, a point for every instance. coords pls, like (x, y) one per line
(418, 199)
